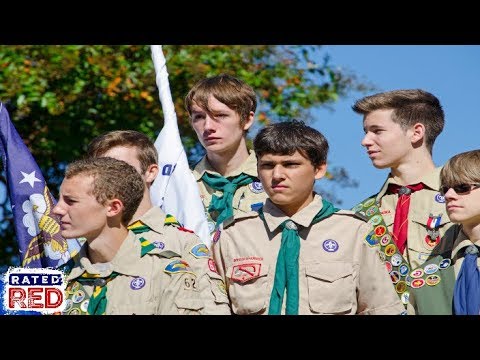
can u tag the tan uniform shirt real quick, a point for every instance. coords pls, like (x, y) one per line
(188, 246)
(244, 197)
(423, 204)
(339, 272)
(144, 286)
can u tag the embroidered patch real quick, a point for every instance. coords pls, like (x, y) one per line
(404, 298)
(159, 245)
(256, 187)
(371, 240)
(246, 272)
(418, 273)
(78, 296)
(216, 235)
(430, 269)
(395, 276)
(200, 250)
(369, 203)
(375, 220)
(403, 269)
(212, 266)
(431, 243)
(84, 305)
(385, 240)
(390, 250)
(380, 230)
(417, 283)
(445, 263)
(371, 211)
(400, 287)
(330, 245)
(396, 259)
(439, 198)
(137, 283)
(388, 265)
(211, 227)
(177, 266)
(358, 208)
(432, 280)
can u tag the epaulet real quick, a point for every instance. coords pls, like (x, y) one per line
(352, 214)
(239, 216)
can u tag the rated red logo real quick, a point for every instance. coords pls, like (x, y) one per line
(41, 290)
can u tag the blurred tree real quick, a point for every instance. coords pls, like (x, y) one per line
(60, 97)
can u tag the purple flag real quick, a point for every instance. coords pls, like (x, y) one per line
(37, 228)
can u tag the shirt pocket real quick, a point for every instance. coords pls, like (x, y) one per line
(427, 245)
(189, 306)
(249, 294)
(218, 288)
(331, 288)
(143, 308)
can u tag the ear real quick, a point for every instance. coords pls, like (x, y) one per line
(151, 173)
(320, 171)
(114, 207)
(418, 132)
(249, 122)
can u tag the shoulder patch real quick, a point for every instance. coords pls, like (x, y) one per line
(200, 250)
(178, 266)
(170, 220)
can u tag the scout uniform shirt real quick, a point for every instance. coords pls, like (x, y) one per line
(428, 221)
(246, 198)
(339, 272)
(166, 234)
(140, 284)
(432, 294)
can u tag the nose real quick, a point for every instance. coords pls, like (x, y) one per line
(278, 174)
(450, 194)
(59, 209)
(209, 124)
(366, 141)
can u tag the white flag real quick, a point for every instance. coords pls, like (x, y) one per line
(175, 189)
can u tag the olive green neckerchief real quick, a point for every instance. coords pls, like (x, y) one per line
(223, 204)
(287, 269)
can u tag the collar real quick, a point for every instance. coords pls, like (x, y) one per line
(430, 180)
(125, 261)
(154, 218)
(461, 242)
(274, 216)
(249, 167)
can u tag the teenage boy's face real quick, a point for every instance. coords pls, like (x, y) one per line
(80, 213)
(387, 144)
(221, 130)
(288, 180)
(463, 208)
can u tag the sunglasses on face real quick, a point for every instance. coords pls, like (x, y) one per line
(459, 189)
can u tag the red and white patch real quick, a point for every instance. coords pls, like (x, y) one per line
(246, 272)
(212, 266)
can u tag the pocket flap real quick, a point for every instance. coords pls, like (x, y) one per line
(191, 304)
(329, 271)
(422, 216)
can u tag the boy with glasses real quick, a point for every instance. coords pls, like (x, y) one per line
(454, 279)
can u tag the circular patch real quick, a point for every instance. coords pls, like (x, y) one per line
(68, 305)
(430, 269)
(439, 198)
(84, 305)
(390, 250)
(403, 269)
(432, 280)
(371, 211)
(137, 283)
(382, 256)
(330, 245)
(395, 276)
(380, 230)
(211, 226)
(445, 263)
(385, 240)
(159, 245)
(75, 311)
(369, 203)
(212, 266)
(388, 265)
(400, 287)
(417, 283)
(418, 273)
(396, 259)
(375, 220)
(404, 298)
(408, 280)
(256, 187)
(78, 296)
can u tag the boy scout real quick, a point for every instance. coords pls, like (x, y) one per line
(221, 110)
(152, 224)
(400, 129)
(298, 254)
(115, 273)
(451, 283)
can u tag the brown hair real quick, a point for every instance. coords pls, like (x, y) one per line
(409, 107)
(112, 179)
(227, 89)
(146, 151)
(461, 168)
(285, 138)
